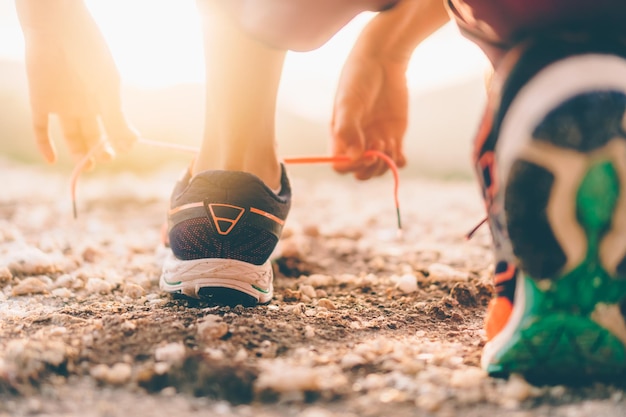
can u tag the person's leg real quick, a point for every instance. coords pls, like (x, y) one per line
(242, 80)
(244, 61)
(227, 212)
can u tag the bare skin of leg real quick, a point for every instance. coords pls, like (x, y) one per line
(242, 80)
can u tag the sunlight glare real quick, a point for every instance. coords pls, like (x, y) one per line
(155, 43)
(158, 43)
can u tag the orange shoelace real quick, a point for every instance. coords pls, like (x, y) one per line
(83, 163)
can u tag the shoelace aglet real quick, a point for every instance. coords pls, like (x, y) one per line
(74, 210)
(399, 220)
(471, 233)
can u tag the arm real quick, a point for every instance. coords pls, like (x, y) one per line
(71, 74)
(371, 103)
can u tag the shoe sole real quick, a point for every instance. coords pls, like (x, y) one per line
(218, 281)
(565, 208)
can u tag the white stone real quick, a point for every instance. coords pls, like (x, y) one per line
(170, 353)
(62, 293)
(5, 275)
(29, 286)
(118, 374)
(407, 283)
(308, 290)
(467, 377)
(212, 327)
(98, 286)
(350, 360)
(442, 272)
(134, 291)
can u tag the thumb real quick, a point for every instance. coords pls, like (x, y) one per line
(120, 133)
(350, 148)
(348, 141)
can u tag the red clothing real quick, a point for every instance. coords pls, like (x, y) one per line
(497, 24)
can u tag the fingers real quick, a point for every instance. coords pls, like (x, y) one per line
(84, 138)
(87, 134)
(77, 144)
(399, 157)
(42, 137)
(352, 142)
(377, 166)
(349, 141)
(355, 131)
(119, 132)
(94, 137)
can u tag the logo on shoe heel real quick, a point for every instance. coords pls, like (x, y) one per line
(225, 217)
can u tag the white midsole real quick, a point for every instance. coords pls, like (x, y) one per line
(188, 277)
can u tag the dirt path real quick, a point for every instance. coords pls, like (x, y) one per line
(363, 323)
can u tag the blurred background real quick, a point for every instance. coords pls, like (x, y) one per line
(157, 47)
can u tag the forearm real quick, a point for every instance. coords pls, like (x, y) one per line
(66, 29)
(394, 34)
(52, 18)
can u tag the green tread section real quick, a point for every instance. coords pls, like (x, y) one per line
(557, 336)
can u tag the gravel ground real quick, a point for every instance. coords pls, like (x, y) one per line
(364, 322)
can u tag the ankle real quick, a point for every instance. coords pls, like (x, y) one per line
(268, 172)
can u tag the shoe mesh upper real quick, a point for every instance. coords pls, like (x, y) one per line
(197, 239)
(223, 221)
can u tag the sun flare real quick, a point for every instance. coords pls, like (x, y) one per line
(158, 43)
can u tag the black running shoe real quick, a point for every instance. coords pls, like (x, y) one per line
(222, 228)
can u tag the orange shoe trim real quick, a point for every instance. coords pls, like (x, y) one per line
(185, 207)
(498, 313)
(231, 222)
(268, 215)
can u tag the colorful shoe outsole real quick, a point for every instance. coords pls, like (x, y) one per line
(561, 160)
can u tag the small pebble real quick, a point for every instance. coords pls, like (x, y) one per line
(350, 360)
(407, 283)
(467, 377)
(118, 374)
(30, 286)
(128, 326)
(442, 272)
(98, 286)
(308, 290)
(212, 327)
(170, 353)
(134, 291)
(29, 260)
(5, 275)
(62, 293)
(326, 303)
(516, 390)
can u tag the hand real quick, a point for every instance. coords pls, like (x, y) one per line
(371, 104)
(72, 75)
(370, 113)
